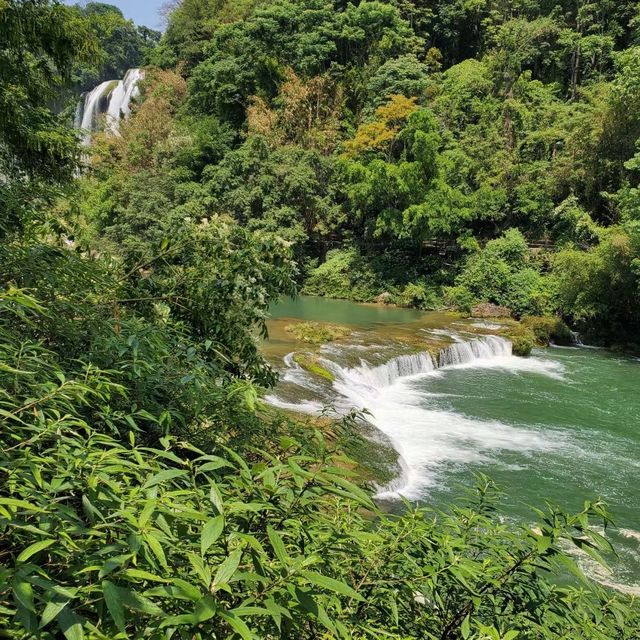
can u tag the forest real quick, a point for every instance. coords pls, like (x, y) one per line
(437, 153)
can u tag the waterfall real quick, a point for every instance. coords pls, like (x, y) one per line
(386, 374)
(111, 99)
(428, 435)
(121, 98)
(481, 349)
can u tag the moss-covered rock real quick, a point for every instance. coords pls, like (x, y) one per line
(522, 338)
(317, 332)
(311, 363)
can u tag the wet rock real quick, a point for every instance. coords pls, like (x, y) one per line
(488, 310)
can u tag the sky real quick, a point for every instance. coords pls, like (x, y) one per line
(142, 12)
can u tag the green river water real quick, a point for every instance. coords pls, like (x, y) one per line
(561, 426)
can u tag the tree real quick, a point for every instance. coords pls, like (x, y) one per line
(123, 45)
(39, 44)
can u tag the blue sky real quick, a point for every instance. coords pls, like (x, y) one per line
(144, 12)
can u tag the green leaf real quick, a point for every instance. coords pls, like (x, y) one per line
(200, 568)
(216, 498)
(204, 610)
(237, 624)
(163, 476)
(156, 549)
(211, 531)
(355, 492)
(544, 542)
(278, 546)
(137, 602)
(332, 585)
(189, 590)
(113, 600)
(314, 608)
(20, 504)
(23, 594)
(51, 611)
(140, 574)
(227, 569)
(70, 624)
(36, 547)
(465, 627)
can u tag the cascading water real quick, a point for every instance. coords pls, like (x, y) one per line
(464, 352)
(397, 396)
(386, 374)
(110, 100)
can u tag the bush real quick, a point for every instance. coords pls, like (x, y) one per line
(549, 330)
(110, 537)
(459, 298)
(522, 344)
(345, 274)
(418, 295)
(503, 274)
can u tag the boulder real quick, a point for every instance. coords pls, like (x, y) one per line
(488, 310)
(384, 298)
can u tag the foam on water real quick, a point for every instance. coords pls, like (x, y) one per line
(310, 407)
(427, 439)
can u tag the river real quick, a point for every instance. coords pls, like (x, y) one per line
(560, 426)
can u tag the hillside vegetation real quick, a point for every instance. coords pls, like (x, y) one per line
(446, 153)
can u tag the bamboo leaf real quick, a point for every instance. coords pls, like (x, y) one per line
(113, 600)
(332, 585)
(226, 570)
(163, 476)
(70, 624)
(52, 609)
(36, 547)
(211, 531)
(278, 546)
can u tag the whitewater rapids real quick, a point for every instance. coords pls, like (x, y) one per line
(426, 438)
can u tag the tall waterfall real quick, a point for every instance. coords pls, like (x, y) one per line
(112, 100)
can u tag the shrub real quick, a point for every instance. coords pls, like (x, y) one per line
(344, 274)
(109, 537)
(522, 344)
(549, 329)
(503, 274)
(460, 298)
(419, 296)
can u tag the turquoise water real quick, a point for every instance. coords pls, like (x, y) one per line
(561, 426)
(343, 312)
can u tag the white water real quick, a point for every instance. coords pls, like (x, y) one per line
(111, 99)
(426, 438)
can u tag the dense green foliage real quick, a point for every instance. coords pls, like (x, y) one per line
(145, 492)
(408, 135)
(122, 45)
